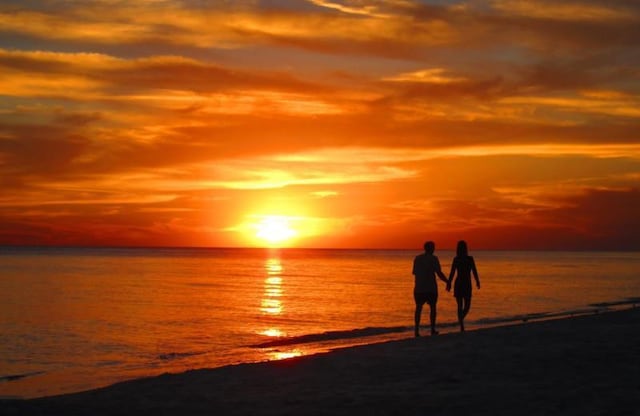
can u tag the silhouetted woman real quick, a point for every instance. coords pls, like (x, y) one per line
(463, 264)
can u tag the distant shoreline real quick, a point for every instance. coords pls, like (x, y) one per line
(582, 365)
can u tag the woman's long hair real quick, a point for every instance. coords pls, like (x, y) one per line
(462, 249)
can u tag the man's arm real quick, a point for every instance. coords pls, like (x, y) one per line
(439, 271)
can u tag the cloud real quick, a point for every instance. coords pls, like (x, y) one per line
(324, 194)
(116, 75)
(606, 217)
(590, 220)
(391, 28)
(28, 148)
(131, 117)
(565, 11)
(430, 76)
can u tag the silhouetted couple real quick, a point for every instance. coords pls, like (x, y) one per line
(425, 268)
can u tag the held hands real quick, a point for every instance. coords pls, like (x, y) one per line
(449, 286)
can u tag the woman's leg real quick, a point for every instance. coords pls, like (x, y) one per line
(467, 306)
(459, 301)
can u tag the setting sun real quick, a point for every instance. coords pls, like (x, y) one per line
(320, 124)
(275, 229)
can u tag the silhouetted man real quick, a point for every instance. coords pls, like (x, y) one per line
(425, 290)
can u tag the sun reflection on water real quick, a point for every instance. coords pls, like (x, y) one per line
(273, 266)
(283, 355)
(271, 303)
(272, 332)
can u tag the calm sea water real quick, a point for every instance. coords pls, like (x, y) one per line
(74, 319)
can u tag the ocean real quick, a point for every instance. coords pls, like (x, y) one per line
(73, 319)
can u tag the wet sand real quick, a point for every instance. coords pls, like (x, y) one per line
(588, 365)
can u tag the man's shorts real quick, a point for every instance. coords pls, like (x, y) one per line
(426, 297)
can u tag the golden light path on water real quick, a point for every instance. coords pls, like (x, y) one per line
(271, 302)
(272, 305)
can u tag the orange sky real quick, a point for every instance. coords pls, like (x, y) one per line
(512, 124)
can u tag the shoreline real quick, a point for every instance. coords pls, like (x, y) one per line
(310, 344)
(579, 365)
(40, 384)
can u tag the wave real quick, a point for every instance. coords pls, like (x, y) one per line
(14, 377)
(483, 322)
(177, 355)
(532, 317)
(590, 309)
(333, 336)
(626, 302)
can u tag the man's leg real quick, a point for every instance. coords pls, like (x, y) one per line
(432, 316)
(417, 318)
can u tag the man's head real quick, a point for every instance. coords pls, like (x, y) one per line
(429, 247)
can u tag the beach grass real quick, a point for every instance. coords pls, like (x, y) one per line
(586, 365)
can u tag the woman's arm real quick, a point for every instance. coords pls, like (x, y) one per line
(475, 272)
(454, 266)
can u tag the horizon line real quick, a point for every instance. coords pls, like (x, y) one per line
(266, 248)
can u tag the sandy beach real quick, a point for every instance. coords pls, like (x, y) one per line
(587, 365)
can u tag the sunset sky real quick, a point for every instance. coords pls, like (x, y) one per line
(323, 123)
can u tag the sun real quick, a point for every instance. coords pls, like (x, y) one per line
(275, 229)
